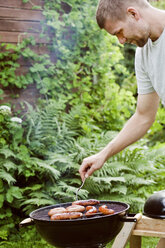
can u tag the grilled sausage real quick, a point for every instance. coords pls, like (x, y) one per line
(105, 210)
(86, 202)
(89, 207)
(91, 211)
(56, 211)
(65, 216)
(75, 208)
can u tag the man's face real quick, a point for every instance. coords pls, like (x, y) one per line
(128, 31)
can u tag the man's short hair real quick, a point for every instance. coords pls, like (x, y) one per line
(115, 9)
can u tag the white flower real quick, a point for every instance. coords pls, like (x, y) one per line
(16, 119)
(5, 109)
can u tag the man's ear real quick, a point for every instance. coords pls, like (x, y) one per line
(134, 13)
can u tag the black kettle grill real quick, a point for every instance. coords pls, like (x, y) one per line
(93, 232)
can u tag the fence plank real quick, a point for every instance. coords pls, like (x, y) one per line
(16, 37)
(20, 26)
(19, 4)
(22, 15)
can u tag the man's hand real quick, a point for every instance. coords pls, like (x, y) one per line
(90, 164)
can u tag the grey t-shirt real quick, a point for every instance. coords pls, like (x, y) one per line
(150, 67)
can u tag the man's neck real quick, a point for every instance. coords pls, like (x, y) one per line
(157, 23)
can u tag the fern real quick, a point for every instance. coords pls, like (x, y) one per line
(32, 203)
(75, 118)
(95, 189)
(47, 168)
(49, 132)
(108, 180)
(7, 153)
(137, 181)
(7, 177)
(37, 199)
(113, 169)
(62, 162)
(119, 189)
(13, 192)
(8, 164)
(71, 191)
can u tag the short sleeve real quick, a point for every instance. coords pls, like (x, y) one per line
(143, 81)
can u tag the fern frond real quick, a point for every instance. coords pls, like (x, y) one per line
(113, 169)
(74, 119)
(94, 188)
(7, 153)
(8, 164)
(47, 168)
(136, 203)
(119, 189)
(71, 190)
(33, 202)
(62, 162)
(108, 180)
(134, 180)
(37, 199)
(7, 177)
(34, 187)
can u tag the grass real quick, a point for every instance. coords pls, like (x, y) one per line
(29, 238)
(147, 242)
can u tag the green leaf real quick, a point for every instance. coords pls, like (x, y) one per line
(1, 186)
(7, 153)
(9, 197)
(49, 169)
(3, 233)
(108, 180)
(8, 164)
(7, 177)
(120, 189)
(2, 198)
(15, 192)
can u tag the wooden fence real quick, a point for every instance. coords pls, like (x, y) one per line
(20, 20)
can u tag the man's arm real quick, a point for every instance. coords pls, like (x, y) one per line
(134, 129)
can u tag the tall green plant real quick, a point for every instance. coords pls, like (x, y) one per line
(88, 64)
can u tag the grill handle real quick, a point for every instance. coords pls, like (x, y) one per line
(26, 222)
(131, 218)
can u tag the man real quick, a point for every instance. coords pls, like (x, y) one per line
(135, 22)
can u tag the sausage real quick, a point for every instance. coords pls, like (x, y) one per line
(105, 210)
(91, 211)
(65, 216)
(75, 208)
(89, 207)
(56, 211)
(86, 202)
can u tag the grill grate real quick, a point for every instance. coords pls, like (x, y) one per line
(42, 214)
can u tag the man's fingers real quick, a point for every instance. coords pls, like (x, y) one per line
(84, 169)
(90, 171)
(84, 166)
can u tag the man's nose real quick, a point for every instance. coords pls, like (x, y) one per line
(122, 40)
